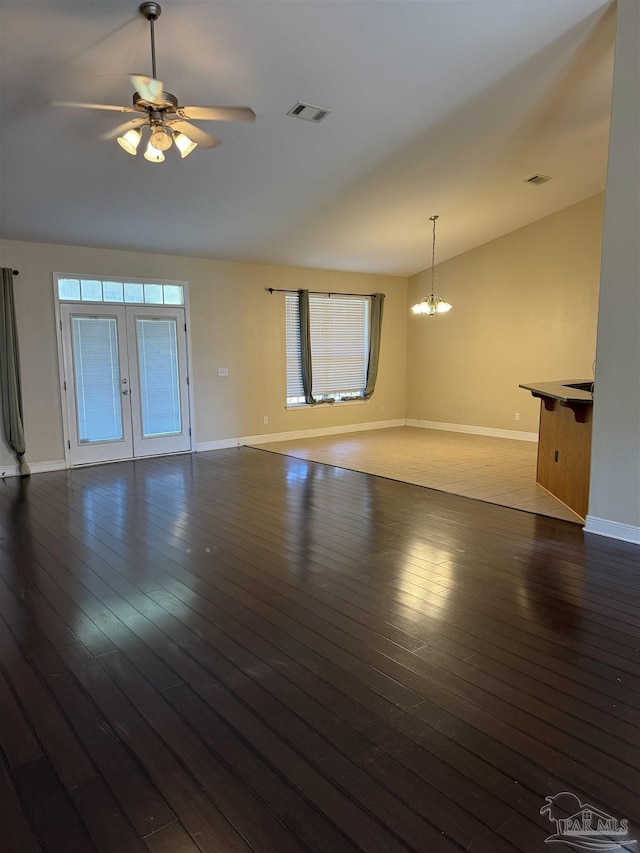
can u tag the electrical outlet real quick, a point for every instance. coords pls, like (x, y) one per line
(223, 371)
(517, 416)
(382, 408)
(265, 420)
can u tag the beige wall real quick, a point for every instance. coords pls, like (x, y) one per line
(462, 368)
(234, 324)
(524, 310)
(614, 500)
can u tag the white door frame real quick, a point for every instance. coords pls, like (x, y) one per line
(57, 305)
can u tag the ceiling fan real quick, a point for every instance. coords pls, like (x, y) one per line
(169, 123)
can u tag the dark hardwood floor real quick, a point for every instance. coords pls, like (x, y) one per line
(240, 651)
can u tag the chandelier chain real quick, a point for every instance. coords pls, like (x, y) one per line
(432, 304)
(433, 254)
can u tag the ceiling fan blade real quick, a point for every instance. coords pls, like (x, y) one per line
(93, 106)
(149, 89)
(217, 113)
(121, 129)
(194, 133)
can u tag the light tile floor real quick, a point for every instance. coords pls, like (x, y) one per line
(497, 470)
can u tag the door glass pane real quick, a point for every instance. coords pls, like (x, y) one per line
(112, 291)
(97, 379)
(133, 292)
(69, 288)
(157, 346)
(153, 294)
(173, 294)
(91, 290)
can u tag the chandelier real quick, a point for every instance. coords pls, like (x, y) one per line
(432, 304)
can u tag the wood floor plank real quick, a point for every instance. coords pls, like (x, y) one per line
(259, 826)
(144, 806)
(332, 606)
(242, 651)
(17, 738)
(595, 649)
(70, 760)
(50, 810)
(194, 809)
(314, 606)
(357, 714)
(104, 821)
(307, 742)
(171, 839)
(437, 613)
(16, 834)
(614, 686)
(34, 590)
(351, 820)
(409, 675)
(313, 829)
(60, 566)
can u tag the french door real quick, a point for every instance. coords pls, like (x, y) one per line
(126, 385)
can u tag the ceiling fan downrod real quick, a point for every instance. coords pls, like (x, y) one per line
(151, 12)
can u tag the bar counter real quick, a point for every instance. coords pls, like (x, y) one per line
(564, 440)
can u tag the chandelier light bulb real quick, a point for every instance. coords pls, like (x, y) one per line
(130, 141)
(153, 155)
(160, 139)
(184, 145)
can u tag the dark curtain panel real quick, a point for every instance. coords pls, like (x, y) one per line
(375, 333)
(305, 345)
(11, 395)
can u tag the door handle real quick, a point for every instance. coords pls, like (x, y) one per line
(126, 391)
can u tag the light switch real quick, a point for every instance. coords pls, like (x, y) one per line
(223, 371)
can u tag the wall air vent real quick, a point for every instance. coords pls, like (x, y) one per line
(537, 179)
(308, 112)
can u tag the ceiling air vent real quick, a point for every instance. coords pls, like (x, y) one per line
(308, 112)
(537, 179)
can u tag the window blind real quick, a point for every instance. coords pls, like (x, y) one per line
(159, 379)
(97, 373)
(339, 328)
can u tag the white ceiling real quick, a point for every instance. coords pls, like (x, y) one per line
(438, 107)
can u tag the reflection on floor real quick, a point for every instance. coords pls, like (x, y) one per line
(497, 470)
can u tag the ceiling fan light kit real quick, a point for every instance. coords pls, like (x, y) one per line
(130, 141)
(432, 304)
(159, 113)
(153, 155)
(184, 145)
(160, 139)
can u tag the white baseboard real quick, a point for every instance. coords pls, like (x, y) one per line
(221, 444)
(267, 438)
(36, 468)
(612, 529)
(291, 435)
(474, 430)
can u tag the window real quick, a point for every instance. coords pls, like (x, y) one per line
(339, 347)
(127, 292)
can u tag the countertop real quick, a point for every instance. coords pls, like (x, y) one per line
(562, 390)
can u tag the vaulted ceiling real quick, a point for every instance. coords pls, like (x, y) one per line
(437, 107)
